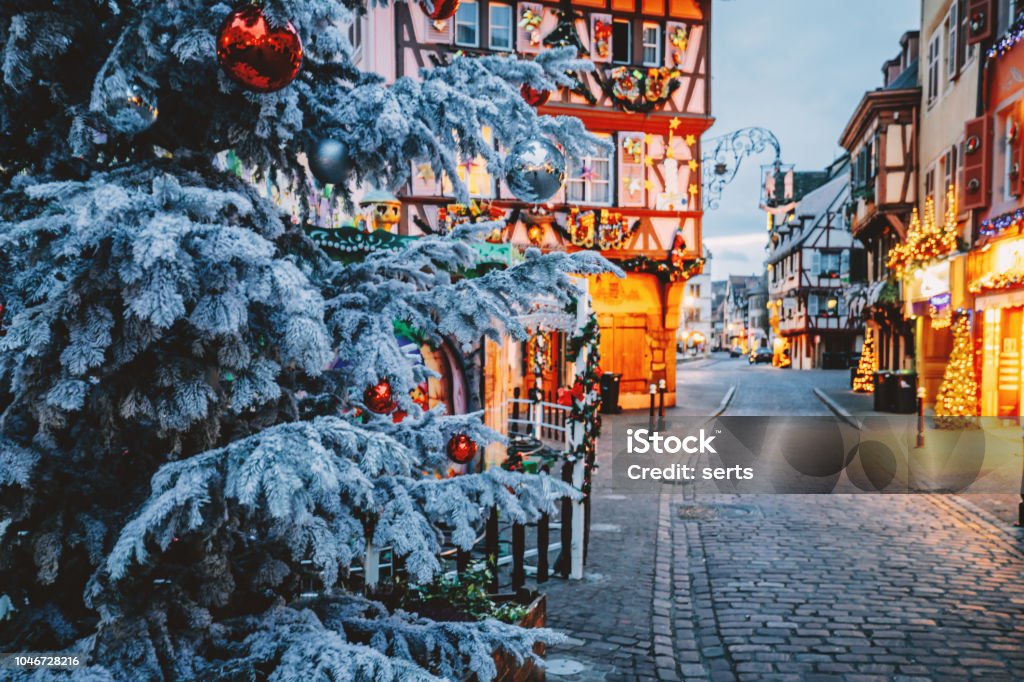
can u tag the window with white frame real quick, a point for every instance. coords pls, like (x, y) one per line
(467, 24)
(951, 26)
(652, 44)
(500, 26)
(590, 180)
(949, 170)
(929, 182)
(934, 50)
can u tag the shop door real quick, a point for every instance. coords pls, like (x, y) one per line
(1008, 383)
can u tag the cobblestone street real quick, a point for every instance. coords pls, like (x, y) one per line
(697, 586)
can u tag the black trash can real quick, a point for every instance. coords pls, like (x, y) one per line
(883, 391)
(904, 392)
(853, 374)
(610, 393)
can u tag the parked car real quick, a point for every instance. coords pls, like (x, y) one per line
(759, 355)
(735, 351)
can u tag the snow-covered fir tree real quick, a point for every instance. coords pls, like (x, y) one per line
(176, 462)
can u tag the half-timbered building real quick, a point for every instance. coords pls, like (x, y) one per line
(812, 261)
(881, 138)
(640, 204)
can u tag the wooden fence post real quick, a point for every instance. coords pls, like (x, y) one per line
(543, 530)
(518, 555)
(491, 547)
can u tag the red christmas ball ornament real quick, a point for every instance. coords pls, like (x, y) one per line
(535, 98)
(255, 54)
(443, 9)
(461, 449)
(379, 398)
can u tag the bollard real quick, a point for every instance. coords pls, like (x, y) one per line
(661, 397)
(653, 389)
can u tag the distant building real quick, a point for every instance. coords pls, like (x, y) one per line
(737, 327)
(696, 329)
(880, 138)
(812, 259)
(718, 289)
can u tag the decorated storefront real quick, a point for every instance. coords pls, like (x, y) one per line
(930, 266)
(996, 280)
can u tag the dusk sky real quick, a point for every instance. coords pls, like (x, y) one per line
(798, 68)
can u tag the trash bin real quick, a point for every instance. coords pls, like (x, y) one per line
(883, 391)
(904, 390)
(610, 393)
(853, 374)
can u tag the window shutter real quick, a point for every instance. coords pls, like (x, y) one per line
(981, 21)
(962, 35)
(630, 154)
(816, 263)
(600, 37)
(812, 304)
(1018, 160)
(528, 36)
(844, 263)
(977, 163)
(442, 32)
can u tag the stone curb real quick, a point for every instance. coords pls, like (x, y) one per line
(837, 409)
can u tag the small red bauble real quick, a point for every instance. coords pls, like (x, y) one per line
(443, 9)
(461, 449)
(379, 398)
(534, 98)
(256, 55)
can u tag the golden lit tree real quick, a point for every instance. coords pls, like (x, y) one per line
(864, 378)
(957, 403)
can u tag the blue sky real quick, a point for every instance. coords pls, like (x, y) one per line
(798, 68)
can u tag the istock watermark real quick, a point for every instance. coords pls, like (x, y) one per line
(800, 455)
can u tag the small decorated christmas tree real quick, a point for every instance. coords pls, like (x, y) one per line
(864, 379)
(957, 403)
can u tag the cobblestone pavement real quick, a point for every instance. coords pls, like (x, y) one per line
(684, 585)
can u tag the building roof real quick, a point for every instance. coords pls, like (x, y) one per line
(813, 211)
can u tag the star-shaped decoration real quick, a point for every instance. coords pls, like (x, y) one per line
(469, 164)
(673, 124)
(693, 188)
(633, 184)
(425, 172)
(587, 173)
(648, 138)
(693, 164)
(691, 139)
(648, 184)
(648, 161)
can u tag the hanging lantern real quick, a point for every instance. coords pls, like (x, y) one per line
(461, 449)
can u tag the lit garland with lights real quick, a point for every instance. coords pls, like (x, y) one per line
(641, 90)
(997, 280)
(676, 268)
(587, 410)
(1013, 35)
(1002, 223)
(605, 230)
(926, 241)
(956, 406)
(864, 378)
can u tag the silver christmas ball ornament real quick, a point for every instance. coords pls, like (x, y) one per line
(534, 170)
(328, 160)
(129, 110)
